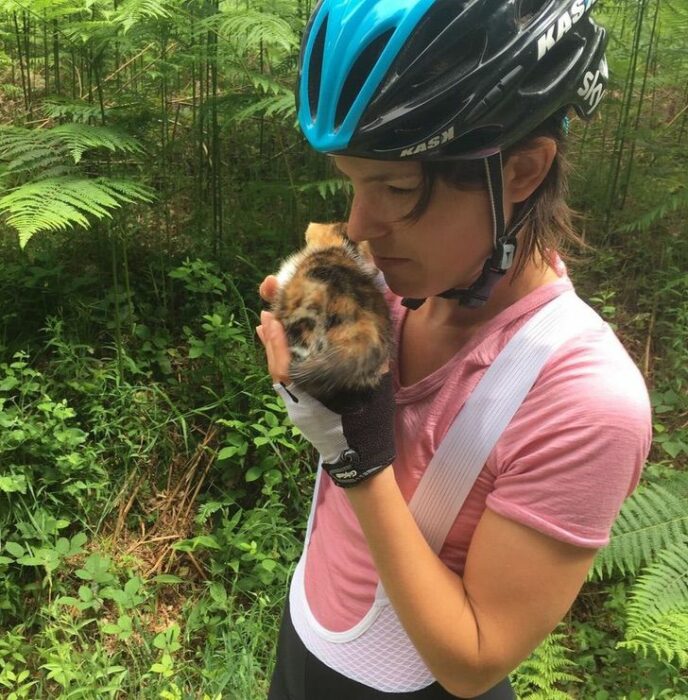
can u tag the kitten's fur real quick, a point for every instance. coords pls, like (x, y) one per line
(335, 315)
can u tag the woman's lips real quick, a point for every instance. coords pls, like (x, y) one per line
(383, 262)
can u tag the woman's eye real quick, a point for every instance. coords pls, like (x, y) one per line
(400, 190)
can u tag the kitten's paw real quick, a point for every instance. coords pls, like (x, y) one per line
(268, 288)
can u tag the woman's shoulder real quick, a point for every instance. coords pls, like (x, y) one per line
(593, 372)
(577, 445)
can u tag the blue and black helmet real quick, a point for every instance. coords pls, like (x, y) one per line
(439, 79)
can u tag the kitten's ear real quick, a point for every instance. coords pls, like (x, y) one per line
(325, 235)
(313, 233)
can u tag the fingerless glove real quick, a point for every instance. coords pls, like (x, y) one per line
(355, 438)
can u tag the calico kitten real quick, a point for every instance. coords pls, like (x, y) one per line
(335, 316)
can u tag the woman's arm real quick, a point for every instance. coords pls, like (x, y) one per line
(471, 631)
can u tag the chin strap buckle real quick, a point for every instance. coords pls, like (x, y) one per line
(504, 254)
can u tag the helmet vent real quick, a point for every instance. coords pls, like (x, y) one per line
(359, 73)
(556, 67)
(528, 10)
(458, 61)
(315, 69)
(460, 51)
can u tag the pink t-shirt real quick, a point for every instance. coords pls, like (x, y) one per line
(571, 455)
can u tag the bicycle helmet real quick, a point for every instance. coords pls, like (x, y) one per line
(447, 79)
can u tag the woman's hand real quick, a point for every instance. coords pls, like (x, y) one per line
(354, 444)
(272, 335)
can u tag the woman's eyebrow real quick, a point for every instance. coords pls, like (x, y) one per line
(381, 177)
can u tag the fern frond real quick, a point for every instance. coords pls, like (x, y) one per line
(267, 85)
(282, 106)
(650, 520)
(90, 31)
(548, 665)
(657, 612)
(55, 204)
(251, 28)
(37, 157)
(78, 138)
(328, 188)
(674, 202)
(667, 638)
(24, 148)
(131, 12)
(56, 171)
(47, 9)
(74, 110)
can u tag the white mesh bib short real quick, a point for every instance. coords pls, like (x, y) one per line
(377, 652)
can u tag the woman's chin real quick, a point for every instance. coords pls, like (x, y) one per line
(405, 290)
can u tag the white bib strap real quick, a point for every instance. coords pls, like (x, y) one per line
(464, 450)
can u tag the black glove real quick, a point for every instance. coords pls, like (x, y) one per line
(354, 438)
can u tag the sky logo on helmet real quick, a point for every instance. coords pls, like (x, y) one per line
(592, 89)
(435, 142)
(551, 37)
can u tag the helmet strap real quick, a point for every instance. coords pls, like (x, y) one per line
(503, 244)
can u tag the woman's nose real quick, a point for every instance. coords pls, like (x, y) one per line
(364, 224)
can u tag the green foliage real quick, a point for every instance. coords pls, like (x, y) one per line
(45, 454)
(133, 12)
(677, 201)
(652, 532)
(658, 607)
(651, 520)
(250, 28)
(47, 192)
(549, 665)
(37, 151)
(57, 203)
(330, 187)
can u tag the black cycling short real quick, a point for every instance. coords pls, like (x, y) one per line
(299, 675)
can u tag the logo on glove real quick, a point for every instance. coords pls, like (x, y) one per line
(351, 474)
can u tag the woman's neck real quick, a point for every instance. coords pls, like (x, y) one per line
(446, 312)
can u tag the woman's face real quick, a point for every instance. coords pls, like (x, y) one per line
(445, 248)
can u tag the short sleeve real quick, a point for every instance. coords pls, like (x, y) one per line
(576, 447)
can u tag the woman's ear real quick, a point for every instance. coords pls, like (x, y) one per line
(525, 169)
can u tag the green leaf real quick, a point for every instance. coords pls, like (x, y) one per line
(673, 447)
(62, 546)
(77, 542)
(253, 473)
(15, 483)
(199, 542)
(227, 452)
(15, 549)
(8, 383)
(218, 593)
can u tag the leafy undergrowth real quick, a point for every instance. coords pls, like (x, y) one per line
(153, 499)
(151, 505)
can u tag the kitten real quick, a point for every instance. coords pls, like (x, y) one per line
(335, 316)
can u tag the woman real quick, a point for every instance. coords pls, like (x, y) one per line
(448, 118)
